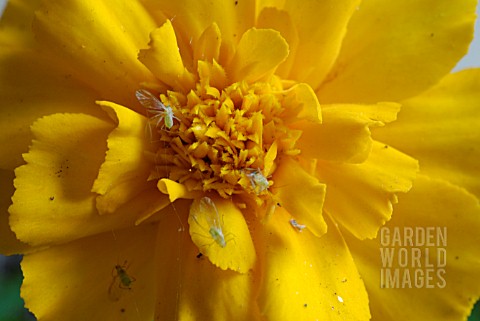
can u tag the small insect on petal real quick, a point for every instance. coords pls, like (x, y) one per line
(258, 180)
(206, 223)
(125, 279)
(213, 219)
(121, 281)
(156, 108)
(298, 227)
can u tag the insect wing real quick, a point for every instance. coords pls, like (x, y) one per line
(149, 101)
(205, 223)
(237, 252)
(207, 206)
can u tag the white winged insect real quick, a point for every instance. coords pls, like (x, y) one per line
(215, 230)
(156, 108)
(297, 226)
(258, 180)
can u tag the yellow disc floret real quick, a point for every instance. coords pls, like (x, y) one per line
(223, 140)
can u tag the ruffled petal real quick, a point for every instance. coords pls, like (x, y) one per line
(79, 280)
(305, 277)
(15, 25)
(280, 20)
(441, 128)
(192, 17)
(30, 87)
(301, 103)
(176, 190)
(258, 53)
(396, 49)
(321, 26)
(344, 135)
(301, 195)
(208, 46)
(9, 244)
(53, 190)
(125, 172)
(190, 287)
(98, 41)
(163, 59)
(219, 230)
(360, 196)
(450, 267)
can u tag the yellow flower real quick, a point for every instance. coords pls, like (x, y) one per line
(236, 160)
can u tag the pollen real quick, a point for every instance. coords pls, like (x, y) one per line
(226, 140)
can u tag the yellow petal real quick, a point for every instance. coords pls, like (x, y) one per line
(99, 42)
(396, 49)
(125, 172)
(280, 20)
(175, 190)
(301, 195)
(441, 210)
(190, 287)
(79, 281)
(192, 17)
(270, 157)
(233, 249)
(53, 202)
(15, 23)
(441, 129)
(360, 196)
(208, 46)
(321, 26)
(258, 53)
(300, 103)
(305, 277)
(8, 241)
(344, 135)
(164, 60)
(31, 87)
(144, 205)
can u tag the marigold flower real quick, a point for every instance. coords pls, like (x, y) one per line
(236, 160)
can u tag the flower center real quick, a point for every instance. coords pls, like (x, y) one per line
(224, 140)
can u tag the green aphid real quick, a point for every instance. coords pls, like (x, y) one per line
(125, 279)
(121, 281)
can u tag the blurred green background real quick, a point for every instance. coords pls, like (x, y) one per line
(11, 305)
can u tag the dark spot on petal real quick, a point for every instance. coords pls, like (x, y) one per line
(51, 198)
